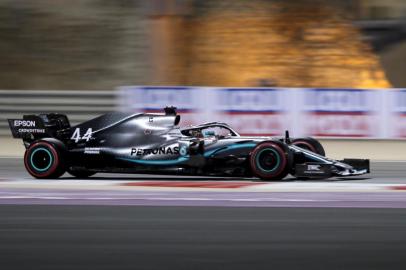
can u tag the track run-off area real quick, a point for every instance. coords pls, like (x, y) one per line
(171, 222)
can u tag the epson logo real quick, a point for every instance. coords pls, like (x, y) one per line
(24, 123)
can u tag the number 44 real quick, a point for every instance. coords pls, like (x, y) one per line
(76, 135)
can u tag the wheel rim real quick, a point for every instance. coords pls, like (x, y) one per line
(268, 160)
(41, 159)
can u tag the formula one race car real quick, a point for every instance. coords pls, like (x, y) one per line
(154, 144)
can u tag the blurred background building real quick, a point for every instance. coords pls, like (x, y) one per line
(102, 44)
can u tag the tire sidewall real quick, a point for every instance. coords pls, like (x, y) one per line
(307, 144)
(279, 171)
(55, 168)
(311, 144)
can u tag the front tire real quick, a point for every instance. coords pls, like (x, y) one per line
(44, 160)
(310, 144)
(270, 160)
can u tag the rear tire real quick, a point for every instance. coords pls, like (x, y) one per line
(271, 160)
(44, 160)
(310, 144)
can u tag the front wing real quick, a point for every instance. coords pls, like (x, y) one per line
(346, 167)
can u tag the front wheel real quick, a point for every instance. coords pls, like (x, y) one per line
(270, 160)
(44, 160)
(310, 144)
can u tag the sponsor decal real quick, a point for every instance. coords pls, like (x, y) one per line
(253, 111)
(399, 130)
(338, 100)
(313, 172)
(257, 125)
(27, 126)
(313, 167)
(24, 123)
(339, 112)
(154, 98)
(340, 125)
(92, 150)
(397, 126)
(76, 136)
(183, 151)
(31, 130)
(155, 151)
(249, 100)
(19, 127)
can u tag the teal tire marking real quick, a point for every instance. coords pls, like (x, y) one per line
(277, 159)
(51, 159)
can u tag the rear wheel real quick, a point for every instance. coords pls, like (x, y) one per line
(270, 160)
(44, 160)
(310, 144)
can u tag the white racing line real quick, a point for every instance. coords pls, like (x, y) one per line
(161, 199)
(146, 196)
(241, 193)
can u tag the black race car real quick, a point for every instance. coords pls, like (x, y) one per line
(148, 143)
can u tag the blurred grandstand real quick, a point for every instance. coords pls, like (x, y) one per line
(101, 44)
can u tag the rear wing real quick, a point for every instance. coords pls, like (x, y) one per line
(38, 126)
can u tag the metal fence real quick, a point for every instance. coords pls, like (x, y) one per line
(78, 105)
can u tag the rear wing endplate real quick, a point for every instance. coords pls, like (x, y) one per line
(29, 125)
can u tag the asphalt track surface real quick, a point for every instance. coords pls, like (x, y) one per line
(145, 222)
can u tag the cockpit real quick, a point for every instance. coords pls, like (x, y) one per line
(212, 130)
(218, 130)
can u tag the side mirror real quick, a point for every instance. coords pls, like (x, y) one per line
(287, 139)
